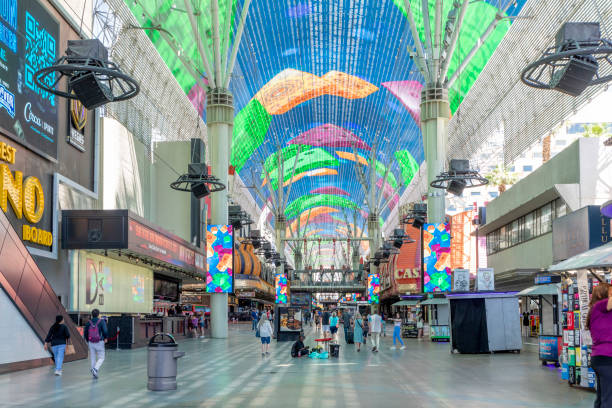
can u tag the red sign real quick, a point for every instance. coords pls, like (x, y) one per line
(146, 241)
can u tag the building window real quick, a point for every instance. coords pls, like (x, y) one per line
(527, 168)
(475, 193)
(531, 225)
(493, 193)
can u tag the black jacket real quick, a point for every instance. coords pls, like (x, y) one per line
(296, 348)
(57, 335)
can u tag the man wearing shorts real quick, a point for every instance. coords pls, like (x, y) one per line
(325, 324)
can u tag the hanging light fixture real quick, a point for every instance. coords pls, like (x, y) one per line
(458, 178)
(575, 61)
(197, 181)
(91, 77)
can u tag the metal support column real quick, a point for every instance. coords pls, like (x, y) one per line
(435, 114)
(220, 121)
(280, 229)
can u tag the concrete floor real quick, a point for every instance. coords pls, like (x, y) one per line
(232, 373)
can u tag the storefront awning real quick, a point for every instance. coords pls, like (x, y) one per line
(540, 290)
(600, 257)
(435, 301)
(406, 303)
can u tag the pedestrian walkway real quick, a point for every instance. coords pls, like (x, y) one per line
(232, 373)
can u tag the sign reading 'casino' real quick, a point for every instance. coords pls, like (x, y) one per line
(28, 42)
(25, 197)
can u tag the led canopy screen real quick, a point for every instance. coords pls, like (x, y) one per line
(436, 257)
(374, 288)
(220, 258)
(280, 284)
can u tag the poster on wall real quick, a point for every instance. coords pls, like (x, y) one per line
(436, 257)
(280, 285)
(461, 280)
(29, 37)
(220, 258)
(374, 288)
(485, 279)
(99, 282)
(290, 319)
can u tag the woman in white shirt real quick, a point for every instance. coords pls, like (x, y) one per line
(265, 332)
(397, 331)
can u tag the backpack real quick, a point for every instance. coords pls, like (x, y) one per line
(93, 333)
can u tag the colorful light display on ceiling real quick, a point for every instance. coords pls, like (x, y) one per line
(326, 82)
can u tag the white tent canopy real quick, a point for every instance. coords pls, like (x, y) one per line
(600, 257)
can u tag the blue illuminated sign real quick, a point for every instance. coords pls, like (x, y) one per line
(7, 100)
(29, 37)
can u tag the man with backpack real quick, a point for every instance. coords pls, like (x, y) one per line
(96, 334)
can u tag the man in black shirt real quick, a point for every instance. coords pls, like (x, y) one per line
(325, 324)
(298, 349)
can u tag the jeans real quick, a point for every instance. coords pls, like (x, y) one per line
(253, 324)
(96, 354)
(58, 354)
(375, 339)
(603, 368)
(396, 335)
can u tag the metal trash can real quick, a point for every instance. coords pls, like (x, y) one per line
(162, 361)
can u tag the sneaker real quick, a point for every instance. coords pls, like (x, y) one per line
(263, 354)
(403, 347)
(375, 350)
(267, 352)
(58, 372)
(393, 348)
(94, 372)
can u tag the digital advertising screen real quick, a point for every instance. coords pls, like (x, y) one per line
(374, 288)
(29, 37)
(220, 258)
(437, 272)
(280, 285)
(99, 282)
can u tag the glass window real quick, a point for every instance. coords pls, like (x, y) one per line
(528, 226)
(493, 193)
(546, 219)
(527, 168)
(475, 193)
(503, 238)
(513, 233)
(560, 208)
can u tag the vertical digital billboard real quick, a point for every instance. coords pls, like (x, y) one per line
(436, 258)
(220, 258)
(374, 288)
(280, 285)
(29, 37)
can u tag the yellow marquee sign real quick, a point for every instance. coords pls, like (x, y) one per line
(25, 196)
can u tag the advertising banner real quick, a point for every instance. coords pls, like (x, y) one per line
(146, 241)
(220, 257)
(461, 280)
(290, 319)
(485, 280)
(550, 347)
(436, 257)
(99, 282)
(29, 37)
(374, 288)
(583, 300)
(282, 292)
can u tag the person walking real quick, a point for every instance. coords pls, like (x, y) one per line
(599, 322)
(254, 319)
(201, 321)
(325, 324)
(96, 334)
(383, 319)
(525, 324)
(375, 324)
(366, 329)
(346, 321)
(58, 338)
(397, 330)
(265, 333)
(333, 324)
(358, 331)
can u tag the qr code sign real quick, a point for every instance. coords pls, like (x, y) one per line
(39, 53)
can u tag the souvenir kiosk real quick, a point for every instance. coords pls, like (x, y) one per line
(546, 294)
(439, 318)
(407, 308)
(484, 322)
